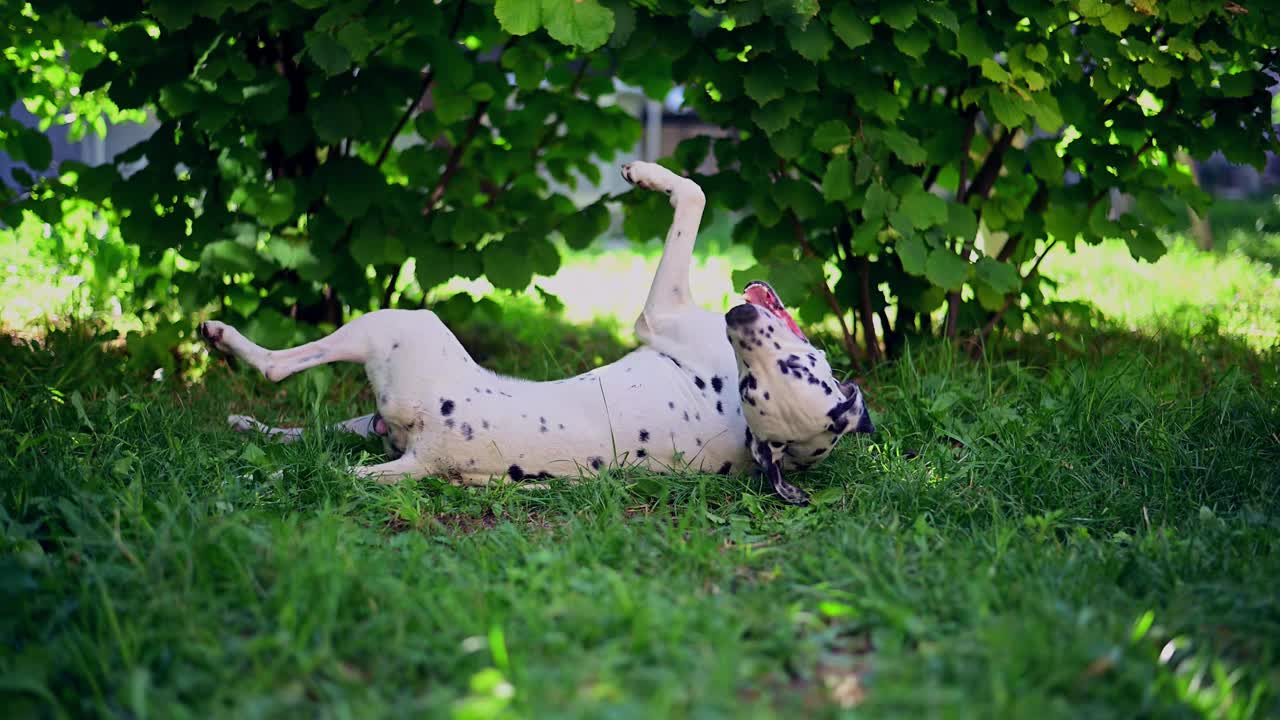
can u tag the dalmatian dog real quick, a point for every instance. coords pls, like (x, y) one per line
(795, 409)
(668, 406)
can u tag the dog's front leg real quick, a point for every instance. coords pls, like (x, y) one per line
(670, 289)
(389, 473)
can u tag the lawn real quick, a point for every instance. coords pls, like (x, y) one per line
(1087, 524)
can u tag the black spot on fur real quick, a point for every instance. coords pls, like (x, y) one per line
(560, 426)
(484, 424)
(719, 407)
(671, 404)
(686, 416)
(826, 389)
(716, 383)
(698, 441)
(597, 463)
(395, 346)
(748, 437)
(448, 423)
(782, 366)
(766, 394)
(644, 436)
(702, 385)
(467, 432)
(542, 420)
(725, 468)
(641, 453)
(516, 473)
(446, 407)
(776, 346)
(819, 451)
(677, 362)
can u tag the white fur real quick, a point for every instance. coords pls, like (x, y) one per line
(571, 427)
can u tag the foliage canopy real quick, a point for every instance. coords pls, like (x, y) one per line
(306, 150)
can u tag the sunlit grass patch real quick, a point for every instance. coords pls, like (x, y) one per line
(1186, 285)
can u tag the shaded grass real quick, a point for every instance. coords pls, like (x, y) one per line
(1089, 530)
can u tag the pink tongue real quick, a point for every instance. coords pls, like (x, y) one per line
(758, 293)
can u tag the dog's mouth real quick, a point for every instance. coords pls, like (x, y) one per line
(760, 294)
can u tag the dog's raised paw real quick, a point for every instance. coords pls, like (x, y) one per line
(212, 333)
(649, 176)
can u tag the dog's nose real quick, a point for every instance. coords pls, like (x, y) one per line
(741, 314)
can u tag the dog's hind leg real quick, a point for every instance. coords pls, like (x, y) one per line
(346, 344)
(669, 292)
(364, 426)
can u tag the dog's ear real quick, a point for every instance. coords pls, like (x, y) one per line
(851, 413)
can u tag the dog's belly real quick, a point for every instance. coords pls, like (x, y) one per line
(647, 410)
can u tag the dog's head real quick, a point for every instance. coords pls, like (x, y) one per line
(795, 407)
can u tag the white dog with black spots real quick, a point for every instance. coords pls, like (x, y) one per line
(674, 404)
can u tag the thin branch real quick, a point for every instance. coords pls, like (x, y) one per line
(865, 312)
(849, 345)
(983, 181)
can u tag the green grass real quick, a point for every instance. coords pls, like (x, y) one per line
(1087, 525)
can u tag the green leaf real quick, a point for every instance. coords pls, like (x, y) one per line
(992, 71)
(325, 50)
(942, 15)
(37, 152)
(898, 14)
(1008, 108)
(371, 244)
(357, 39)
(972, 43)
(452, 107)
(1144, 244)
(334, 118)
(273, 204)
(946, 269)
(1047, 113)
(913, 254)
(1062, 221)
(584, 226)
(923, 208)
(866, 238)
(352, 186)
(543, 258)
(1002, 277)
(799, 196)
(914, 42)
(1045, 163)
(1037, 53)
(837, 181)
(1117, 19)
(907, 148)
(1156, 74)
(961, 222)
(832, 136)
(582, 23)
(518, 17)
(878, 202)
(813, 41)
(849, 26)
(692, 152)
(1237, 86)
(765, 82)
(506, 266)
(778, 114)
